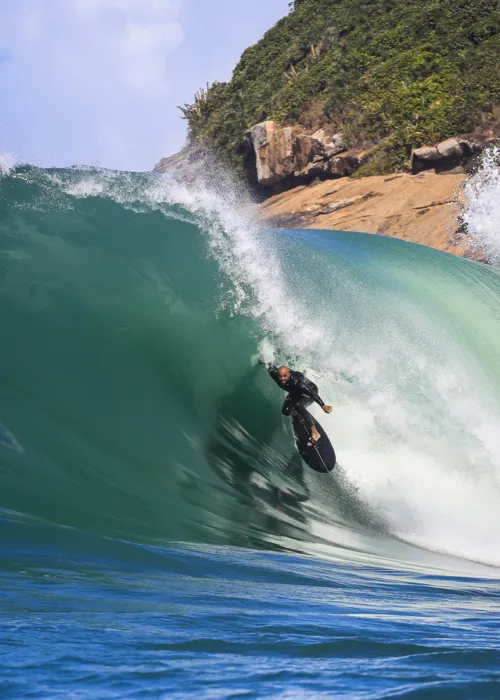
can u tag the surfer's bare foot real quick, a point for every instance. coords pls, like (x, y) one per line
(315, 436)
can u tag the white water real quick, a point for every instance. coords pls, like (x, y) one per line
(482, 207)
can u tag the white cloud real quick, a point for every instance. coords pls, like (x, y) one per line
(102, 63)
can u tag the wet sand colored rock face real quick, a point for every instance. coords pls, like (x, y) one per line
(421, 209)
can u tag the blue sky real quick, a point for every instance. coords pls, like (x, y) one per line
(98, 81)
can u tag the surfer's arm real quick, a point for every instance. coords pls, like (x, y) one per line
(317, 398)
(272, 369)
(307, 388)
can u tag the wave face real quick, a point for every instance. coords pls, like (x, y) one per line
(133, 313)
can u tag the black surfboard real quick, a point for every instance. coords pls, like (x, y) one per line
(320, 458)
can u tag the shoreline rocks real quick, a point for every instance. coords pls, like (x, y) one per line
(289, 156)
(286, 157)
(278, 158)
(185, 165)
(460, 150)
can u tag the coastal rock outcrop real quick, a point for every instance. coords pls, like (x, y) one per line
(346, 163)
(426, 154)
(274, 153)
(280, 158)
(289, 156)
(459, 150)
(450, 149)
(333, 144)
(307, 149)
(186, 165)
(424, 209)
(292, 154)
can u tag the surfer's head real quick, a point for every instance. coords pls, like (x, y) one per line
(283, 374)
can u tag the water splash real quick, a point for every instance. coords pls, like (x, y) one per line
(482, 208)
(7, 163)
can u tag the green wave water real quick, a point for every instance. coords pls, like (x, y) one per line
(133, 311)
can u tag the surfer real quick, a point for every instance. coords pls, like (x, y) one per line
(301, 394)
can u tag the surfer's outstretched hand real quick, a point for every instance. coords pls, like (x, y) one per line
(327, 409)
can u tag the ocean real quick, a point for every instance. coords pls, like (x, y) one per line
(160, 537)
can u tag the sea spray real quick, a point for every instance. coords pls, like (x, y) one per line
(481, 214)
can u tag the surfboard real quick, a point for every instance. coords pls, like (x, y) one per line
(320, 458)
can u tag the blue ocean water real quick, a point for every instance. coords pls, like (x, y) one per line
(159, 536)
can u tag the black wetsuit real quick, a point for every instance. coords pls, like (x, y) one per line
(301, 394)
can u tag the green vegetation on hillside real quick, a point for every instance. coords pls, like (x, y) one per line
(394, 74)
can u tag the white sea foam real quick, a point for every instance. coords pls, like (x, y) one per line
(482, 207)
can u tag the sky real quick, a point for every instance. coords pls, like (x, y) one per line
(97, 82)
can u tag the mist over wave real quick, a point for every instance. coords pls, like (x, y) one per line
(135, 309)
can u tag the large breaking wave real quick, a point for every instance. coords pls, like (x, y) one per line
(133, 311)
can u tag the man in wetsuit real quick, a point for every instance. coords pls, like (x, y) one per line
(301, 394)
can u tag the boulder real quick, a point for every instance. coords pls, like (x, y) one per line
(285, 152)
(473, 144)
(273, 152)
(305, 149)
(321, 135)
(450, 149)
(314, 170)
(450, 153)
(444, 156)
(427, 153)
(345, 164)
(333, 144)
(262, 136)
